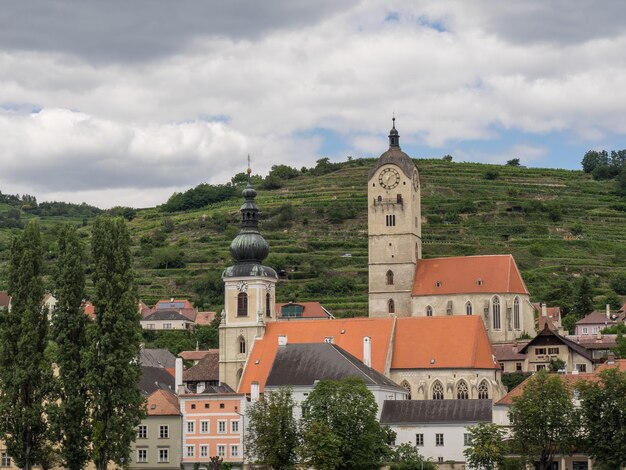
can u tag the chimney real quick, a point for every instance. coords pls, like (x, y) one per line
(608, 312)
(282, 340)
(544, 310)
(610, 359)
(254, 391)
(367, 351)
(178, 376)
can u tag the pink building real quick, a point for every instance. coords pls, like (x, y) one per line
(212, 426)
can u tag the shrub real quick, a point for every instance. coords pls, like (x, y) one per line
(491, 175)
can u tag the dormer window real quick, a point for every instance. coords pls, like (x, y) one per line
(479, 282)
(438, 284)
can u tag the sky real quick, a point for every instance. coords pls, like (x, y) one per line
(124, 103)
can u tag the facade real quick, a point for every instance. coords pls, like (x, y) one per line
(595, 322)
(166, 319)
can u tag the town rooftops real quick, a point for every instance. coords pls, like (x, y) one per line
(206, 370)
(548, 337)
(162, 403)
(468, 275)
(305, 363)
(600, 318)
(167, 314)
(296, 310)
(405, 412)
(157, 358)
(509, 351)
(196, 355)
(155, 378)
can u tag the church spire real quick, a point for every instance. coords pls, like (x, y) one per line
(394, 137)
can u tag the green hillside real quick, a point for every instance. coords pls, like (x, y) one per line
(557, 223)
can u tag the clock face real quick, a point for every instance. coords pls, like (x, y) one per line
(389, 178)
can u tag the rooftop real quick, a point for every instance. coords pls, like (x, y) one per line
(398, 412)
(162, 403)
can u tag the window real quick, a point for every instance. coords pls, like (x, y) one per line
(438, 439)
(391, 306)
(221, 427)
(142, 456)
(467, 440)
(390, 220)
(242, 345)
(390, 278)
(142, 431)
(234, 426)
(164, 455)
(191, 450)
(405, 385)
(204, 450)
(399, 198)
(221, 451)
(495, 311)
(191, 427)
(553, 350)
(540, 367)
(167, 326)
(483, 390)
(540, 351)
(437, 390)
(6, 460)
(292, 311)
(429, 311)
(164, 431)
(234, 451)
(462, 391)
(468, 308)
(439, 459)
(221, 406)
(518, 366)
(151, 326)
(585, 330)
(501, 364)
(581, 367)
(516, 323)
(204, 427)
(419, 440)
(242, 304)
(207, 406)
(268, 305)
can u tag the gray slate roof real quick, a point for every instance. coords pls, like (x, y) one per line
(166, 314)
(157, 358)
(394, 156)
(436, 411)
(303, 364)
(155, 378)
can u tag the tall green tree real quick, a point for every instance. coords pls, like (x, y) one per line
(117, 405)
(487, 448)
(543, 420)
(272, 434)
(25, 374)
(583, 302)
(603, 413)
(407, 457)
(348, 409)
(69, 417)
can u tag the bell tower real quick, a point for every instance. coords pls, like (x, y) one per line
(394, 230)
(249, 293)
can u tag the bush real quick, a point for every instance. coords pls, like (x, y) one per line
(168, 258)
(513, 162)
(618, 282)
(491, 175)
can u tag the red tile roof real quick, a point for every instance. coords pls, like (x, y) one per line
(509, 351)
(311, 310)
(468, 274)
(196, 355)
(162, 403)
(207, 369)
(89, 310)
(599, 318)
(205, 318)
(5, 299)
(619, 363)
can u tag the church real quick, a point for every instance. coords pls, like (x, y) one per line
(431, 322)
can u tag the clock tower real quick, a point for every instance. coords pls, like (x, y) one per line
(394, 230)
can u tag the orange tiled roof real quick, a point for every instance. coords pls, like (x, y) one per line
(196, 355)
(311, 309)
(459, 342)
(205, 318)
(5, 299)
(619, 363)
(89, 310)
(162, 402)
(461, 275)
(347, 334)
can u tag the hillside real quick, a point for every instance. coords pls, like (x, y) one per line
(557, 223)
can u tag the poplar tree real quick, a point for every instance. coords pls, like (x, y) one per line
(113, 360)
(69, 411)
(25, 374)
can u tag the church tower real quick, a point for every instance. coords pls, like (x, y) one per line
(249, 293)
(394, 230)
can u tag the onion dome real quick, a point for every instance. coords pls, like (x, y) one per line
(394, 156)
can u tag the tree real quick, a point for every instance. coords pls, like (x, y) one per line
(603, 416)
(272, 434)
(407, 457)
(113, 358)
(25, 374)
(513, 162)
(620, 346)
(348, 409)
(69, 411)
(487, 448)
(543, 420)
(583, 302)
(556, 364)
(323, 447)
(621, 181)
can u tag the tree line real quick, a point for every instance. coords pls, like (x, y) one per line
(603, 165)
(88, 409)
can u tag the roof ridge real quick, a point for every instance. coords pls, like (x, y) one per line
(346, 355)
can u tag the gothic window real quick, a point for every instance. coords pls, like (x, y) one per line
(483, 390)
(468, 308)
(390, 278)
(399, 198)
(380, 199)
(392, 306)
(242, 304)
(268, 305)
(516, 323)
(242, 345)
(239, 374)
(495, 312)
(462, 391)
(437, 390)
(429, 311)
(390, 220)
(405, 385)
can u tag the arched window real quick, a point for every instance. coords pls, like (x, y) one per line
(516, 323)
(437, 390)
(483, 390)
(462, 391)
(242, 304)
(429, 311)
(495, 312)
(242, 345)
(405, 385)
(468, 308)
(239, 374)
(380, 199)
(391, 306)
(390, 277)
(268, 305)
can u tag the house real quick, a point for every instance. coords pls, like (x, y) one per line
(301, 366)
(599, 345)
(595, 322)
(174, 314)
(204, 374)
(196, 355)
(509, 356)
(295, 311)
(166, 319)
(158, 441)
(155, 378)
(161, 358)
(550, 316)
(438, 428)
